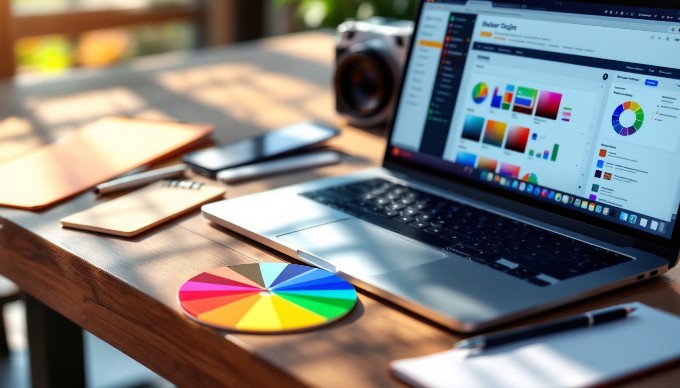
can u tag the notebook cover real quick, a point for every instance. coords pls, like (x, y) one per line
(96, 153)
(143, 209)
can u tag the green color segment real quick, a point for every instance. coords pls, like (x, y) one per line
(328, 308)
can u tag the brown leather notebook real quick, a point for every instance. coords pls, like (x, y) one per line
(143, 209)
(96, 153)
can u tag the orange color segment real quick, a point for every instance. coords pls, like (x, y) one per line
(229, 315)
(201, 306)
(431, 43)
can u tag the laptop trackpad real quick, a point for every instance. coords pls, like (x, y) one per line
(358, 248)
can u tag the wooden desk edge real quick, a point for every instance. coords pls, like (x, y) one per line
(59, 271)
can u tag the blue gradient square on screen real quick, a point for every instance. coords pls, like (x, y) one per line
(472, 129)
(466, 158)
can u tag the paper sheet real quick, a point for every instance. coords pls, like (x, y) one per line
(580, 357)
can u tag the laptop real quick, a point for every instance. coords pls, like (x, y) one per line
(532, 161)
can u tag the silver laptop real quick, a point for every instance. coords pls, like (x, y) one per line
(532, 160)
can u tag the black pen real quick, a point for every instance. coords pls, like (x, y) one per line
(592, 318)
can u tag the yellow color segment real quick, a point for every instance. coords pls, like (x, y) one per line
(293, 316)
(261, 317)
(229, 315)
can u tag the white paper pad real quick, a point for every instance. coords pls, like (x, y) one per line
(575, 358)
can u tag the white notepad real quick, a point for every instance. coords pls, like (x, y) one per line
(576, 358)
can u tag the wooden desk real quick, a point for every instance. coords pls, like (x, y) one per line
(125, 290)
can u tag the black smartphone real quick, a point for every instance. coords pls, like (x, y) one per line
(266, 146)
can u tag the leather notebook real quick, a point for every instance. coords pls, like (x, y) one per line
(96, 153)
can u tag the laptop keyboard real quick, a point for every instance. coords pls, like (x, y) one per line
(515, 248)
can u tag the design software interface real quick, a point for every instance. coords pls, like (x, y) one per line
(580, 109)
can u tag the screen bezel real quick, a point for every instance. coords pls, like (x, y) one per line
(612, 230)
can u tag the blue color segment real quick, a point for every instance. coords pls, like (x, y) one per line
(291, 271)
(270, 271)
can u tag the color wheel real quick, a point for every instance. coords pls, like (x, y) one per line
(480, 92)
(266, 297)
(638, 117)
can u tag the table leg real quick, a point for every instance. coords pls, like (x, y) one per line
(55, 347)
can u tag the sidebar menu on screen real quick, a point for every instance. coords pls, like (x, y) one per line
(447, 83)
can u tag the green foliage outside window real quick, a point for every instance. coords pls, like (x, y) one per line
(330, 13)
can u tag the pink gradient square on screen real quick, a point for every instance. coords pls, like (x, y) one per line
(510, 170)
(548, 105)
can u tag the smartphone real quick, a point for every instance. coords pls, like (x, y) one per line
(263, 147)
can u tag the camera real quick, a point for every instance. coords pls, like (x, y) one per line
(369, 56)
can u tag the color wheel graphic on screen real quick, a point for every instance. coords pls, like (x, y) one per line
(628, 118)
(480, 92)
(266, 297)
(530, 178)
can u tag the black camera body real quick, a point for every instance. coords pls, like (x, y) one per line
(369, 56)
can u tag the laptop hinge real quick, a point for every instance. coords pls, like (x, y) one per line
(315, 261)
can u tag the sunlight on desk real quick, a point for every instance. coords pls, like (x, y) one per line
(250, 94)
(289, 47)
(86, 106)
(17, 137)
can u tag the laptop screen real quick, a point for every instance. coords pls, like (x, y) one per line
(574, 105)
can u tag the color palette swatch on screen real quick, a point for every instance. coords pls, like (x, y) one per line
(466, 158)
(266, 297)
(503, 100)
(548, 105)
(473, 127)
(525, 99)
(509, 170)
(494, 133)
(480, 92)
(633, 116)
(566, 114)
(517, 139)
(487, 163)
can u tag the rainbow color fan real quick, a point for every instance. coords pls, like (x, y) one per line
(266, 297)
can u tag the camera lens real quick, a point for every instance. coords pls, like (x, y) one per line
(364, 83)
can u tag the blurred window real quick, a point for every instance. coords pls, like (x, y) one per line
(55, 35)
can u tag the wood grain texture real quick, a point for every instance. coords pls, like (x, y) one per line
(124, 290)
